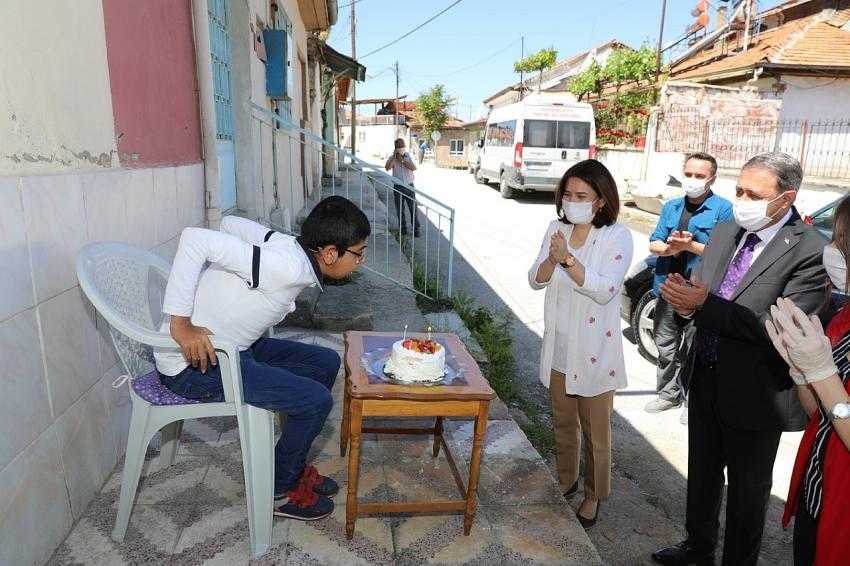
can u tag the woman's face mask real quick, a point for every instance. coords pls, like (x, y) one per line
(578, 212)
(836, 268)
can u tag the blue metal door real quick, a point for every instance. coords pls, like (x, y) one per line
(220, 50)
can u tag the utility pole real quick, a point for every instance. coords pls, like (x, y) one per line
(521, 57)
(660, 39)
(395, 120)
(658, 49)
(353, 81)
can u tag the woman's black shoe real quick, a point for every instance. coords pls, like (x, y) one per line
(572, 491)
(587, 523)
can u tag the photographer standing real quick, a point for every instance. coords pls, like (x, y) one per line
(403, 167)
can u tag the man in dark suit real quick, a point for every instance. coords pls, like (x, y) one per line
(741, 396)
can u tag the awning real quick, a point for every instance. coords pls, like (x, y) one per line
(341, 65)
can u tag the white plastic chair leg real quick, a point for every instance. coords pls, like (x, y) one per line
(134, 460)
(256, 435)
(170, 440)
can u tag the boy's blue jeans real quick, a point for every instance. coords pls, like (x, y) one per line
(278, 375)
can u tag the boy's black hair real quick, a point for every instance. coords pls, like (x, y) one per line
(335, 221)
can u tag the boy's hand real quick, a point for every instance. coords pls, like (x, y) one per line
(193, 341)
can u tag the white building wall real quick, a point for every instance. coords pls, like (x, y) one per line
(374, 141)
(262, 154)
(64, 428)
(810, 98)
(54, 82)
(816, 124)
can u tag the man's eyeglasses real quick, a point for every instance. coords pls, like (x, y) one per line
(359, 254)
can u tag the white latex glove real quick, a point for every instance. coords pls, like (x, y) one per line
(808, 347)
(776, 337)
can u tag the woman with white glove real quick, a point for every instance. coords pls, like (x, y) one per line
(819, 494)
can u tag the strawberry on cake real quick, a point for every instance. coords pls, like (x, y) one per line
(415, 360)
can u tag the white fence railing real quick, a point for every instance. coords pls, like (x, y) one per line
(412, 232)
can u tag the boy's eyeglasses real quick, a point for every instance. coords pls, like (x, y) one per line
(359, 254)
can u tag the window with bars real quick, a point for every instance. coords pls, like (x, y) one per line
(455, 147)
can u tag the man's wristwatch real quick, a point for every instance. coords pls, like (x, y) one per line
(569, 262)
(840, 411)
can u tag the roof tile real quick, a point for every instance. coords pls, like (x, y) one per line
(808, 41)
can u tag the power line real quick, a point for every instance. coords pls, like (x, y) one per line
(349, 4)
(420, 26)
(335, 32)
(476, 64)
(383, 72)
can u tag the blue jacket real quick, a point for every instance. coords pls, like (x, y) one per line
(714, 210)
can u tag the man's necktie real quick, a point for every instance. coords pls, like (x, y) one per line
(706, 340)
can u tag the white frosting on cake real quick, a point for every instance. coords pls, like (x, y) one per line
(407, 365)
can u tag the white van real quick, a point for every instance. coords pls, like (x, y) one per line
(529, 145)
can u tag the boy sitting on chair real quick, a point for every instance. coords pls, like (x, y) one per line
(253, 277)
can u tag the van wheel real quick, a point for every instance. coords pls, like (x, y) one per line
(481, 180)
(504, 188)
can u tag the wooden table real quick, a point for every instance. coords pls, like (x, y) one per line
(365, 399)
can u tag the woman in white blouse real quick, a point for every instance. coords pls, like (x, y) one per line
(582, 263)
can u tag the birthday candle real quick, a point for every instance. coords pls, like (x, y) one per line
(405, 333)
(429, 332)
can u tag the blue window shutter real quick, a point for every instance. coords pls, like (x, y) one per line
(276, 67)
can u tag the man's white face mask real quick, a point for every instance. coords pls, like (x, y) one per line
(694, 188)
(751, 215)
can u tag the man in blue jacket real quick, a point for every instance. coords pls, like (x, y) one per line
(679, 240)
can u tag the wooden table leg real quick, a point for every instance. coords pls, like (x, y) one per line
(356, 407)
(438, 435)
(474, 465)
(345, 425)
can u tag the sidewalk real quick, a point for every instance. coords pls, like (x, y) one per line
(194, 512)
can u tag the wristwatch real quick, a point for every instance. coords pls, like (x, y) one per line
(569, 262)
(840, 411)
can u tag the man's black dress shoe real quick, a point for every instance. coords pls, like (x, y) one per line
(681, 555)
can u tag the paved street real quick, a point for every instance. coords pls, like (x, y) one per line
(497, 240)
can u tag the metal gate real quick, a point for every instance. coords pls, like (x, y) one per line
(222, 95)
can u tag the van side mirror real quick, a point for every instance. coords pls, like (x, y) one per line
(481, 142)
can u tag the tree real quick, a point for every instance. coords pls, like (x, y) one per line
(431, 109)
(624, 65)
(537, 62)
(587, 81)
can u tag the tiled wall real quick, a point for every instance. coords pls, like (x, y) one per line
(63, 426)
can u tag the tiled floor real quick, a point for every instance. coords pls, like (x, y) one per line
(194, 511)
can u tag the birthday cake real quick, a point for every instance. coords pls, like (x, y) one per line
(417, 361)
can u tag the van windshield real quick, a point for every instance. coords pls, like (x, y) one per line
(556, 134)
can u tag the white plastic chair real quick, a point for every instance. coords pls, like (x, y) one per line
(125, 283)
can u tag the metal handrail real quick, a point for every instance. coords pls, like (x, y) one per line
(379, 177)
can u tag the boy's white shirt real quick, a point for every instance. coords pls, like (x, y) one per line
(229, 297)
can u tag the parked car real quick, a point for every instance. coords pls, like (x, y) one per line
(822, 218)
(529, 145)
(638, 301)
